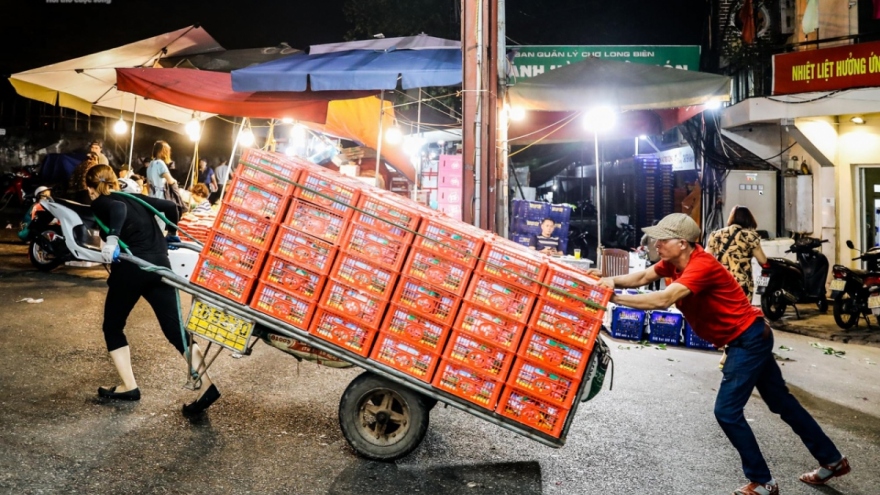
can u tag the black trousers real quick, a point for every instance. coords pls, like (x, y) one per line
(128, 284)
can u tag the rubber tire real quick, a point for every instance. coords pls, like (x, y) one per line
(43, 267)
(359, 391)
(769, 297)
(839, 312)
(823, 306)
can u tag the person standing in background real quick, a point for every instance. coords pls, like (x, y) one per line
(158, 174)
(95, 147)
(221, 174)
(735, 245)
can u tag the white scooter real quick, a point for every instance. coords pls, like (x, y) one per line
(80, 240)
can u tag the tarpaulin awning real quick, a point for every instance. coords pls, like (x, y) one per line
(353, 70)
(418, 42)
(594, 82)
(355, 118)
(211, 92)
(88, 84)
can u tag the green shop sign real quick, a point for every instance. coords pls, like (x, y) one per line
(533, 60)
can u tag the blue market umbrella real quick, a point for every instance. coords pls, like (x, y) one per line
(353, 70)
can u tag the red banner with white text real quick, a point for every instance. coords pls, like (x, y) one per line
(828, 69)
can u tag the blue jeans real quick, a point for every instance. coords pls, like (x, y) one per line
(750, 364)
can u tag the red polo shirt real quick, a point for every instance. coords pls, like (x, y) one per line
(717, 308)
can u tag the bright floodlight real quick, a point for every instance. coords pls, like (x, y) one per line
(643, 136)
(713, 104)
(246, 138)
(299, 135)
(393, 135)
(120, 126)
(600, 119)
(193, 129)
(290, 150)
(287, 120)
(517, 113)
(412, 144)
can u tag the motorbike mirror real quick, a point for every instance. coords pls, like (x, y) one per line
(850, 245)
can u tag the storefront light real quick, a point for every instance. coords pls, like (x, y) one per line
(517, 113)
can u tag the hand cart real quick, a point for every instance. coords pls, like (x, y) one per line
(383, 413)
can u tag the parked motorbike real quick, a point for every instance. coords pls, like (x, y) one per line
(14, 185)
(784, 282)
(851, 289)
(59, 221)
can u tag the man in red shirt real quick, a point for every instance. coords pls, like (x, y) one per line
(718, 311)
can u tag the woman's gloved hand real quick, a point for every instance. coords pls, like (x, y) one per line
(110, 249)
(170, 239)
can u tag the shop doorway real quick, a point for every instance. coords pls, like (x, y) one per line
(870, 201)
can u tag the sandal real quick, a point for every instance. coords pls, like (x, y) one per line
(824, 474)
(757, 489)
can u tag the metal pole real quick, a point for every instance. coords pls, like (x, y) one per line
(598, 203)
(133, 122)
(418, 166)
(502, 202)
(478, 120)
(231, 157)
(379, 143)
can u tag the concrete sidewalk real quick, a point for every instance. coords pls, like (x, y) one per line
(814, 324)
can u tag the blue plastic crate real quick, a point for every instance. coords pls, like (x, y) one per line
(665, 327)
(627, 323)
(532, 210)
(523, 239)
(694, 341)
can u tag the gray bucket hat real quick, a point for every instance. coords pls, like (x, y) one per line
(675, 226)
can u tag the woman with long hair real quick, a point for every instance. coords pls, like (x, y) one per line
(158, 175)
(735, 245)
(131, 222)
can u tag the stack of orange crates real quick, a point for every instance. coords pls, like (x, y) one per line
(554, 351)
(236, 249)
(473, 314)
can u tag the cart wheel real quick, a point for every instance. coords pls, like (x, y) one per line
(381, 420)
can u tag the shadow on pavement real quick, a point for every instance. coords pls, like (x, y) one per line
(521, 478)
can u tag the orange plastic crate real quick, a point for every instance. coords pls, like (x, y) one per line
(256, 198)
(234, 253)
(438, 271)
(284, 305)
(421, 298)
(532, 411)
(394, 218)
(490, 360)
(514, 265)
(317, 221)
(357, 271)
(576, 283)
(534, 379)
(309, 252)
(270, 159)
(293, 277)
(353, 303)
(344, 332)
(560, 321)
(500, 297)
(553, 354)
(405, 356)
(314, 183)
(467, 383)
(245, 225)
(452, 240)
(380, 247)
(256, 173)
(488, 326)
(226, 281)
(405, 324)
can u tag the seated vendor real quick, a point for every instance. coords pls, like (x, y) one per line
(200, 205)
(545, 242)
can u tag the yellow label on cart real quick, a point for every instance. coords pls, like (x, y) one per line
(218, 326)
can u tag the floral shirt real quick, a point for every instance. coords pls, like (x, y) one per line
(738, 256)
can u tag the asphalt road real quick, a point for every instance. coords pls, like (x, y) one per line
(275, 428)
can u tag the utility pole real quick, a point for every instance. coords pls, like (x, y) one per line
(479, 41)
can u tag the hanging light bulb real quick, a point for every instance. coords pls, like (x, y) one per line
(246, 138)
(287, 120)
(517, 113)
(194, 129)
(120, 126)
(393, 135)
